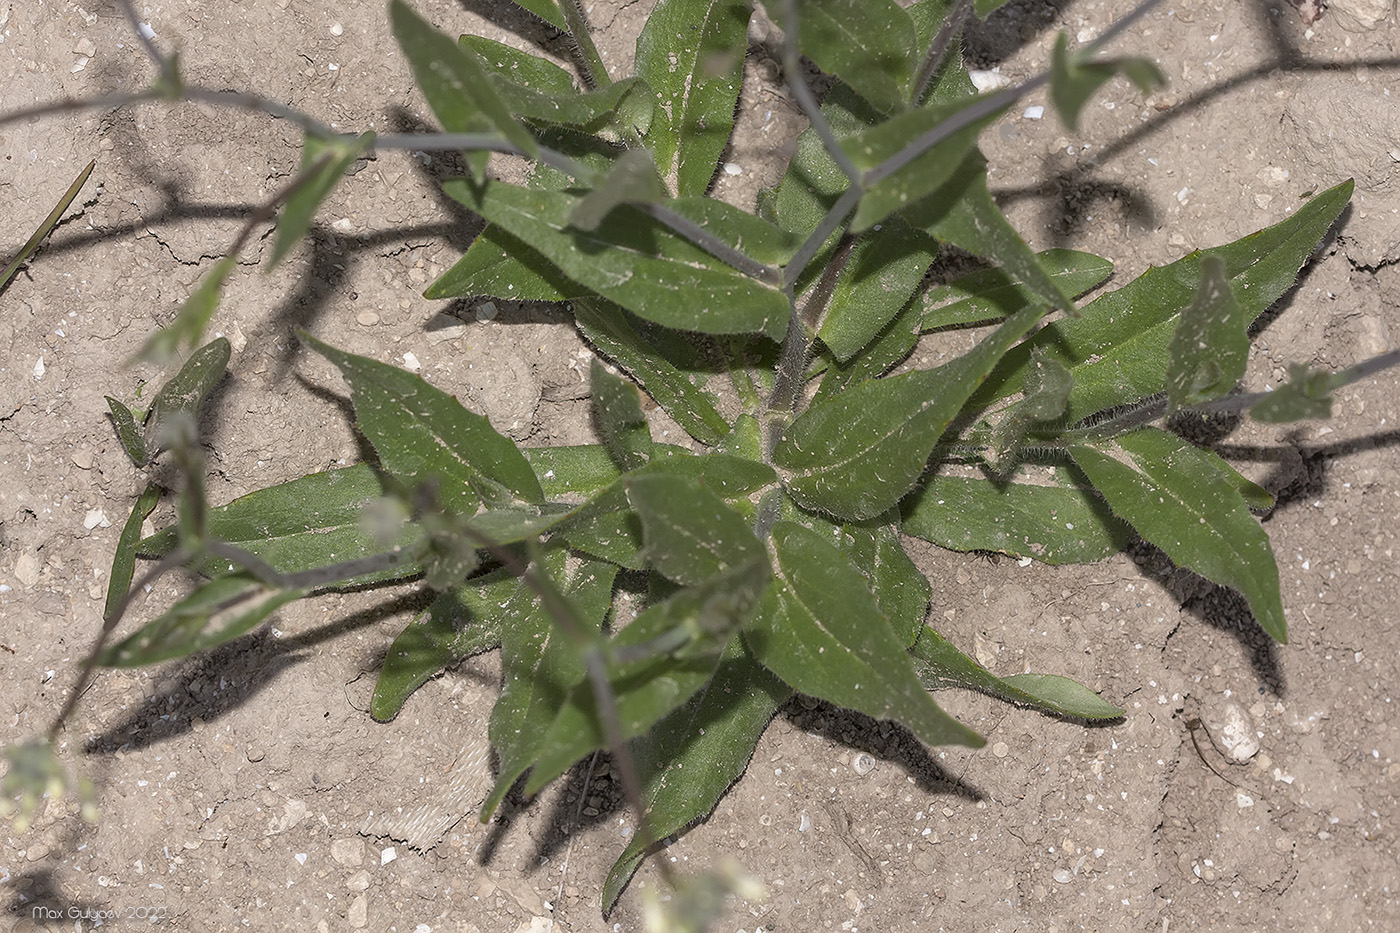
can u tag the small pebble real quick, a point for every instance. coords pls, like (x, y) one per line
(337, 29)
(863, 763)
(367, 318)
(1034, 113)
(387, 856)
(1001, 750)
(410, 362)
(1063, 876)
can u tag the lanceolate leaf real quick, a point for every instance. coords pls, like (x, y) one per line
(219, 611)
(328, 159)
(424, 435)
(691, 535)
(989, 295)
(187, 390)
(682, 288)
(822, 632)
(941, 665)
(891, 346)
(455, 84)
(1056, 524)
(540, 664)
(128, 432)
(885, 269)
(866, 43)
(566, 471)
(1178, 499)
(606, 326)
(858, 454)
(1118, 348)
(900, 590)
(693, 755)
(311, 522)
(124, 557)
(691, 52)
(498, 265)
(461, 623)
(1210, 348)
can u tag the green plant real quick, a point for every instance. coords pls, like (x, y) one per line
(773, 558)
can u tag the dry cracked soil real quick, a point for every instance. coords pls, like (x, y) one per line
(249, 789)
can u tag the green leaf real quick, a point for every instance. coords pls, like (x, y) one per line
(632, 180)
(128, 432)
(617, 413)
(900, 590)
(1210, 347)
(217, 612)
(314, 521)
(696, 625)
(1065, 524)
(499, 265)
(991, 294)
(691, 52)
(124, 556)
(540, 665)
(423, 435)
(1306, 394)
(682, 287)
(1047, 386)
(460, 623)
(609, 329)
(548, 10)
(858, 454)
(866, 43)
(941, 665)
(871, 148)
(885, 268)
(455, 85)
(696, 753)
(984, 7)
(890, 346)
(1178, 499)
(324, 161)
(821, 631)
(691, 535)
(1075, 78)
(46, 226)
(1118, 348)
(963, 213)
(584, 469)
(193, 316)
(186, 390)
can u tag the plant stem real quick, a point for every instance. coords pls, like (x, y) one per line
(595, 72)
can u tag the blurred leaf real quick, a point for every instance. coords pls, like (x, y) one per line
(461, 623)
(192, 318)
(128, 432)
(941, 665)
(217, 612)
(696, 624)
(871, 148)
(886, 267)
(859, 453)
(423, 435)
(691, 535)
(314, 521)
(821, 631)
(455, 85)
(1178, 499)
(617, 414)
(633, 180)
(963, 213)
(124, 556)
(866, 43)
(186, 390)
(540, 665)
(1118, 348)
(984, 7)
(1064, 524)
(696, 753)
(990, 294)
(327, 159)
(1210, 347)
(633, 261)
(607, 327)
(46, 226)
(1075, 78)
(1306, 394)
(691, 52)
(1047, 386)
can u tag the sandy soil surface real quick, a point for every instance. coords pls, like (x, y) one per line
(249, 789)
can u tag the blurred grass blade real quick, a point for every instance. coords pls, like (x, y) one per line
(1074, 79)
(941, 665)
(869, 44)
(192, 318)
(1178, 499)
(821, 631)
(217, 612)
(124, 556)
(327, 159)
(423, 435)
(1210, 347)
(44, 228)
